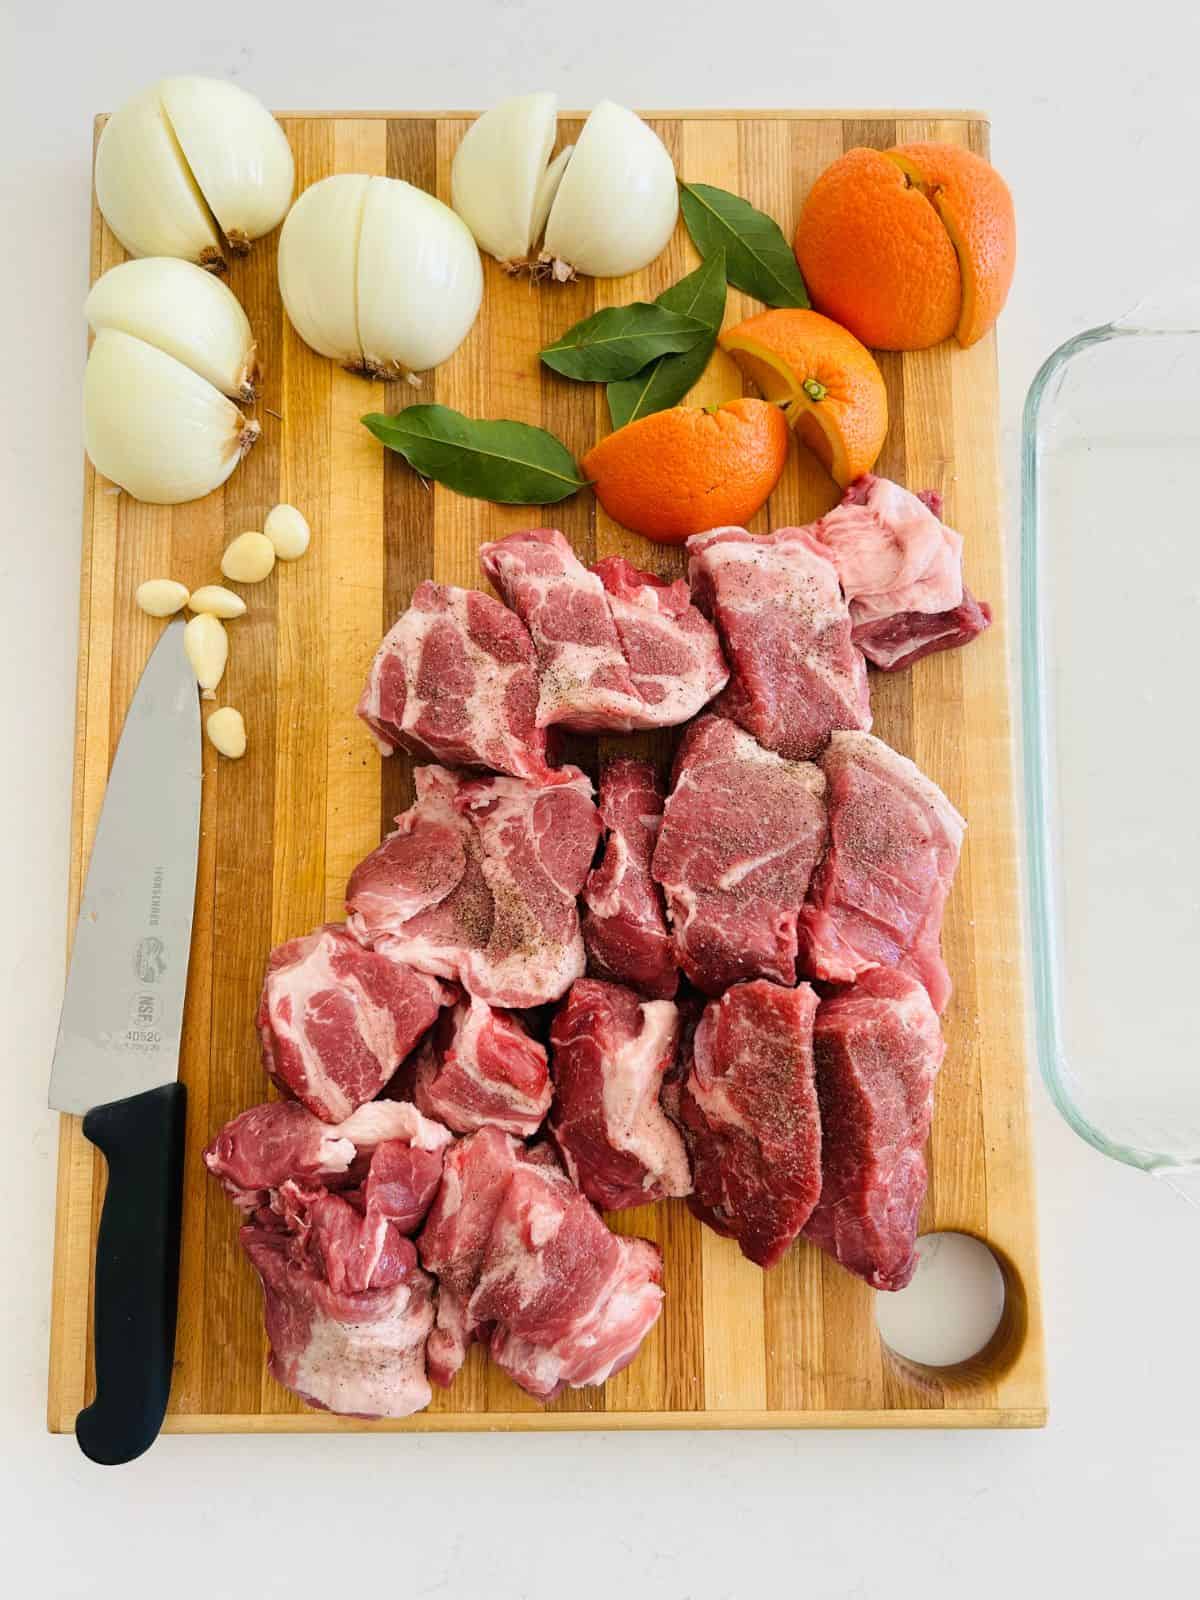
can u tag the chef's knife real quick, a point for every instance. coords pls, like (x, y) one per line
(116, 1062)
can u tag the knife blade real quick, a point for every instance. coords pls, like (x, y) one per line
(116, 1061)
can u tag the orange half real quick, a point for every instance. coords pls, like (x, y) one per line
(828, 383)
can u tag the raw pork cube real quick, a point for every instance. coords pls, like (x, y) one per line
(878, 1047)
(336, 1020)
(479, 884)
(785, 628)
(617, 647)
(741, 834)
(878, 896)
(750, 1107)
(625, 924)
(456, 680)
(568, 1302)
(479, 1066)
(268, 1145)
(348, 1310)
(900, 568)
(611, 1050)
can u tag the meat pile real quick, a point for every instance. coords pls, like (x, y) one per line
(745, 1013)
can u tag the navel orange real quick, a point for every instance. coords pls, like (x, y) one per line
(910, 245)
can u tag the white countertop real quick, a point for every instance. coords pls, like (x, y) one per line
(1095, 127)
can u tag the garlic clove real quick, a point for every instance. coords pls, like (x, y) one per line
(249, 558)
(217, 602)
(288, 531)
(227, 731)
(237, 152)
(148, 196)
(498, 174)
(420, 280)
(156, 427)
(318, 265)
(618, 201)
(183, 311)
(161, 597)
(206, 645)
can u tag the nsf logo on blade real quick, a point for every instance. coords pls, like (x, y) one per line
(149, 959)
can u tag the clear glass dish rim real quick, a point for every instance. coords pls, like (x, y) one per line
(1037, 773)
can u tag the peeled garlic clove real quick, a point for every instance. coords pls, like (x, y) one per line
(217, 602)
(227, 731)
(183, 311)
(156, 427)
(618, 201)
(249, 558)
(318, 265)
(148, 196)
(207, 647)
(161, 597)
(237, 152)
(288, 531)
(498, 173)
(420, 281)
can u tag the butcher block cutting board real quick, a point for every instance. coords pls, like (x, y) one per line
(281, 830)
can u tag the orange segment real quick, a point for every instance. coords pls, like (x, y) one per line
(976, 209)
(828, 381)
(681, 471)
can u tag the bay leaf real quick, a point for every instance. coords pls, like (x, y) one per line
(510, 463)
(665, 382)
(758, 259)
(621, 340)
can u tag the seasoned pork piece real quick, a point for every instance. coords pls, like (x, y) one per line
(742, 831)
(568, 1302)
(479, 883)
(264, 1147)
(625, 924)
(479, 1067)
(455, 680)
(525, 1263)
(611, 1050)
(749, 1104)
(795, 672)
(348, 1310)
(336, 1020)
(878, 1047)
(900, 568)
(878, 897)
(617, 647)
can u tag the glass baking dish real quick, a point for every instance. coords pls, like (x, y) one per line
(1110, 569)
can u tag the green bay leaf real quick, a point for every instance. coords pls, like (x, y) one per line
(511, 463)
(621, 340)
(665, 382)
(758, 259)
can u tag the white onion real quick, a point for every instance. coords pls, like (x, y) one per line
(498, 170)
(318, 265)
(420, 281)
(154, 426)
(378, 274)
(149, 198)
(238, 154)
(182, 310)
(187, 158)
(618, 200)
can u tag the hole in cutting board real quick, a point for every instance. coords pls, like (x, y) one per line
(960, 1314)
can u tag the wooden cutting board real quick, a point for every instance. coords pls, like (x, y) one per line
(796, 1347)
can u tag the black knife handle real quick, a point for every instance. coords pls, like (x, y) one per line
(137, 1271)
